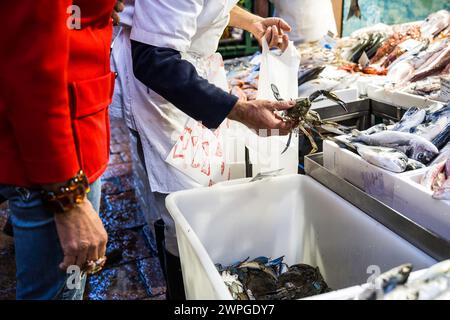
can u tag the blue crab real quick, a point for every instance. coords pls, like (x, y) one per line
(309, 120)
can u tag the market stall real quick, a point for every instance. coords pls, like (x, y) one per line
(375, 193)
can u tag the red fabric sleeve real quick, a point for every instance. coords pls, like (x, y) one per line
(35, 50)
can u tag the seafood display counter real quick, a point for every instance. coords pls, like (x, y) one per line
(422, 238)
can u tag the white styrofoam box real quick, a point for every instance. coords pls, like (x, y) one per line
(400, 191)
(346, 95)
(292, 216)
(371, 179)
(396, 98)
(416, 201)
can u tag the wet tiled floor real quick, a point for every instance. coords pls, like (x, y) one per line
(133, 271)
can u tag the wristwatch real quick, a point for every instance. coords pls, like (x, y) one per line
(67, 196)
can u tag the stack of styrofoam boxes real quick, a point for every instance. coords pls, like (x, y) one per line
(141, 182)
(400, 191)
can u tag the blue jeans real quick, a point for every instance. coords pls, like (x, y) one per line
(37, 248)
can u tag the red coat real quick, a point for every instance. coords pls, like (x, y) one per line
(55, 88)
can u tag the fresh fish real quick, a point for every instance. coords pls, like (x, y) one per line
(435, 23)
(443, 193)
(430, 130)
(443, 155)
(430, 176)
(374, 129)
(387, 282)
(310, 74)
(413, 146)
(355, 10)
(438, 62)
(436, 112)
(442, 138)
(414, 165)
(412, 118)
(386, 158)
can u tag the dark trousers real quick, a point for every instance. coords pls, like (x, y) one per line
(170, 264)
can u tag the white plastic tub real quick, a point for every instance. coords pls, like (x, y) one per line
(291, 215)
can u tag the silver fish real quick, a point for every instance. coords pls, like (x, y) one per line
(443, 154)
(414, 165)
(437, 112)
(431, 130)
(442, 138)
(386, 158)
(435, 64)
(435, 23)
(376, 128)
(412, 118)
(413, 146)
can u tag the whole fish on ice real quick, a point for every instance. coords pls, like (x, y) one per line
(430, 130)
(412, 118)
(411, 145)
(386, 158)
(442, 138)
(443, 154)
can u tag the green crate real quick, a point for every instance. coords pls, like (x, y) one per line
(245, 47)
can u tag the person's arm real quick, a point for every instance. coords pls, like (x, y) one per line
(34, 69)
(161, 30)
(34, 76)
(175, 79)
(165, 72)
(272, 28)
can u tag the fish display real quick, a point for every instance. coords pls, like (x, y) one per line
(442, 138)
(414, 165)
(412, 118)
(435, 23)
(413, 146)
(266, 279)
(397, 284)
(387, 158)
(443, 154)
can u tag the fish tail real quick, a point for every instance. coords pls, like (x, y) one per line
(355, 10)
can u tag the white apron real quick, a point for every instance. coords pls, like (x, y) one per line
(159, 123)
(310, 19)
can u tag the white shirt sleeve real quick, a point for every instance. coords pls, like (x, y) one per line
(166, 23)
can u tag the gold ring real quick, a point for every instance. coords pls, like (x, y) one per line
(93, 267)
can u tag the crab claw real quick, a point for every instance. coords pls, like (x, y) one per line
(329, 95)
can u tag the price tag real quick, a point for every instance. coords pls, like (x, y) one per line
(445, 89)
(364, 60)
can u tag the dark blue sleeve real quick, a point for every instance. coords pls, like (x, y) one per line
(166, 73)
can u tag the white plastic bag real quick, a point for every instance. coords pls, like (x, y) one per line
(281, 70)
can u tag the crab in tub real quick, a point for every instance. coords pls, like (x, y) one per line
(309, 120)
